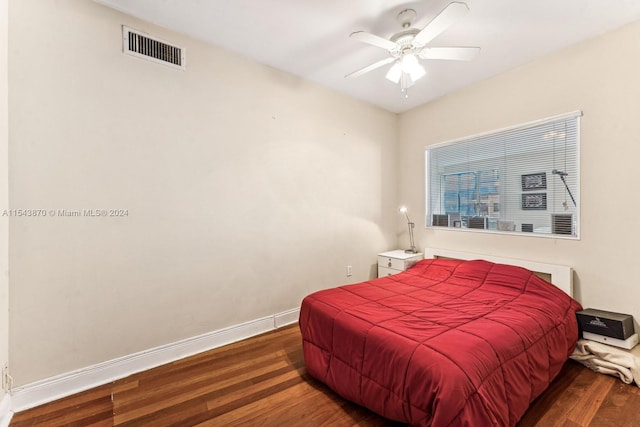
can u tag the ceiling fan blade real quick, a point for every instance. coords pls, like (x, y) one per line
(444, 20)
(373, 40)
(452, 53)
(368, 68)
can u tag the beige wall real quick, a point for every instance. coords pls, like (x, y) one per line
(4, 191)
(599, 77)
(246, 189)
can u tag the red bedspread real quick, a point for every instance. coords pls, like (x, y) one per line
(446, 343)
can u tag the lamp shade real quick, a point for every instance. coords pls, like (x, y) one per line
(409, 62)
(405, 71)
(394, 73)
(417, 72)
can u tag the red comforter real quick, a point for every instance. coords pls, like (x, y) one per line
(446, 343)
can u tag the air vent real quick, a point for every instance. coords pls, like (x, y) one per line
(144, 46)
(562, 224)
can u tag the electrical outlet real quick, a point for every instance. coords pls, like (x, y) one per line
(6, 379)
(349, 272)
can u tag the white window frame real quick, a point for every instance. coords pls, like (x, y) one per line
(575, 191)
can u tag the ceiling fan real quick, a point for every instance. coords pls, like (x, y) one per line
(409, 45)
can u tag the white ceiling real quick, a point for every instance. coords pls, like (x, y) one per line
(311, 38)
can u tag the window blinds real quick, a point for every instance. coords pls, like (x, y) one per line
(521, 179)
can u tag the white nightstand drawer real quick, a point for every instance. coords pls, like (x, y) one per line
(384, 271)
(394, 262)
(398, 260)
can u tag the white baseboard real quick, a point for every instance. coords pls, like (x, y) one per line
(286, 317)
(50, 389)
(5, 411)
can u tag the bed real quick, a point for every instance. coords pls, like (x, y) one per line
(452, 341)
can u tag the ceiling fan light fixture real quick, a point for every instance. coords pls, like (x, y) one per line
(394, 73)
(405, 79)
(417, 72)
(409, 62)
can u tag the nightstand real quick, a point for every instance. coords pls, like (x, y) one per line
(394, 262)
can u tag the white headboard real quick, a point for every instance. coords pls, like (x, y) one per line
(561, 276)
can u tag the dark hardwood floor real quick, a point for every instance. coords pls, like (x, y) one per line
(262, 381)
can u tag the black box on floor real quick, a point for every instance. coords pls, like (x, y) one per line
(607, 323)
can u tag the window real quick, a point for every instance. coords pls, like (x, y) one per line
(523, 179)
